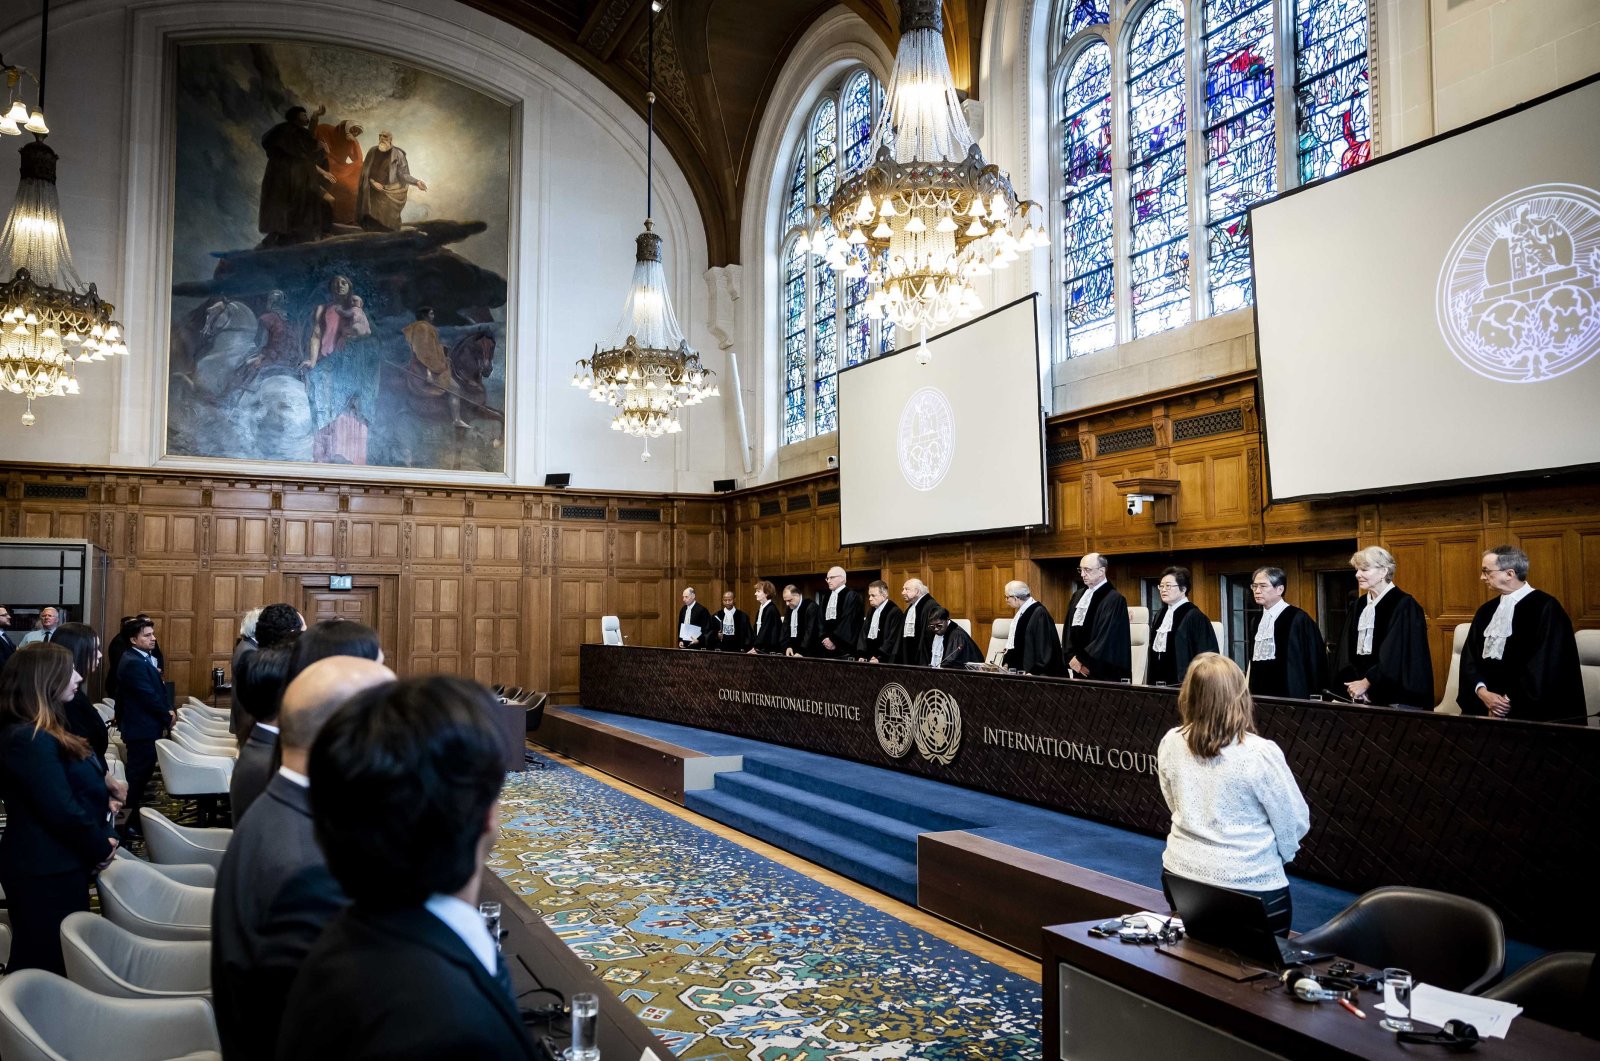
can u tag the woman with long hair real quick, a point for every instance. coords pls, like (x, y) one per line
(1237, 812)
(58, 825)
(81, 718)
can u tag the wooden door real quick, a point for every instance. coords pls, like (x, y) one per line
(357, 605)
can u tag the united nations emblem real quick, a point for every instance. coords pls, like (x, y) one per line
(895, 718)
(938, 726)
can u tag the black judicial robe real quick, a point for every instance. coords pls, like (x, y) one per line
(885, 648)
(737, 641)
(917, 649)
(845, 628)
(1191, 634)
(1400, 667)
(1103, 643)
(1038, 648)
(1539, 671)
(959, 648)
(1300, 669)
(696, 615)
(805, 640)
(773, 633)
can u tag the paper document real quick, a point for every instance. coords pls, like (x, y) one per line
(1435, 1005)
(688, 632)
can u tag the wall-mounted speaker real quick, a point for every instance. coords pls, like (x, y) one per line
(723, 486)
(559, 480)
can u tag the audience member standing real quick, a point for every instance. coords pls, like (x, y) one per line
(1099, 643)
(79, 714)
(277, 624)
(404, 784)
(1237, 813)
(246, 643)
(58, 814)
(7, 646)
(880, 637)
(1179, 632)
(259, 693)
(274, 892)
(143, 712)
(839, 623)
(119, 646)
(1383, 655)
(1287, 653)
(1033, 646)
(767, 634)
(1521, 656)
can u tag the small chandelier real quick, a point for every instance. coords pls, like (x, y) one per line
(50, 320)
(929, 213)
(647, 370)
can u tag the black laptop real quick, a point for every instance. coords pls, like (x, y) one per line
(1235, 923)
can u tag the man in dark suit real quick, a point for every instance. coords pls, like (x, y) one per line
(880, 634)
(404, 784)
(915, 640)
(730, 628)
(840, 623)
(259, 692)
(1034, 646)
(119, 645)
(144, 713)
(694, 622)
(7, 646)
(274, 892)
(800, 625)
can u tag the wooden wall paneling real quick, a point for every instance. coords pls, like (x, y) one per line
(433, 615)
(579, 602)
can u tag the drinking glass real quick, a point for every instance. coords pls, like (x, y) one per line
(1396, 1001)
(585, 1012)
(490, 912)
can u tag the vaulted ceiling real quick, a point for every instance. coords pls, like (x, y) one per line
(716, 64)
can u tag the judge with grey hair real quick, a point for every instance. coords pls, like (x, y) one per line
(916, 642)
(1383, 655)
(1033, 646)
(1521, 656)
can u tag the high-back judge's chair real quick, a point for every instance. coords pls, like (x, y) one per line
(1139, 638)
(999, 634)
(1589, 663)
(610, 630)
(1452, 678)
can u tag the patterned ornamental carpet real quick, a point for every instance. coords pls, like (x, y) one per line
(729, 955)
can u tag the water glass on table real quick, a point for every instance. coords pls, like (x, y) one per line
(490, 912)
(585, 1014)
(1396, 1001)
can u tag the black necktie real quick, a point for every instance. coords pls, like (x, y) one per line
(48, 634)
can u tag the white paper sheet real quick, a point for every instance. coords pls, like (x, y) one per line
(1435, 1005)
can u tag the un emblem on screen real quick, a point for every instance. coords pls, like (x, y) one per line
(927, 439)
(1517, 293)
(895, 718)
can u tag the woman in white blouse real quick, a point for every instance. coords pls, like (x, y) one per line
(1237, 813)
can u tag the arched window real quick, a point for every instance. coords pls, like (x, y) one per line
(1089, 240)
(1126, 233)
(822, 314)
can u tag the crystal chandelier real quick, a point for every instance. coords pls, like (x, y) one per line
(647, 370)
(50, 320)
(929, 213)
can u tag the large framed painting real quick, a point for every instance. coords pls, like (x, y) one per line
(340, 245)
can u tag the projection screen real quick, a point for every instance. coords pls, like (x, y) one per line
(1431, 317)
(955, 446)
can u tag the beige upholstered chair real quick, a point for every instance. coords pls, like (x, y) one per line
(44, 1017)
(965, 624)
(1139, 634)
(1222, 637)
(174, 844)
(610, 630)
(114, 962)
(999, 634)
(1452, 677)
(194, 874)
(143, 900)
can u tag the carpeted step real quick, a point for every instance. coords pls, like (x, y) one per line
(889, 835)
(859, 792)
(842, 854)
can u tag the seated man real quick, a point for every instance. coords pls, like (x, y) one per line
(949, 645)
(405, 782)
(880, 638)
(1521, 656)
(274, 893)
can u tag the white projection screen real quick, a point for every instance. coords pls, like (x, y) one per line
(955, 446)
(1431, 317)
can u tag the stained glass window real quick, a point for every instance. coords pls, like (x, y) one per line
(1240, 139)
(1333, 99)
(1158, 185)
(1087, 241)
(822, 315)
(1081, 13)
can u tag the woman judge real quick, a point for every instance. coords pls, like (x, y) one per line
(1180, 630)
(769, 629)
(1383, 655)
(1237, 813)
(58, 828)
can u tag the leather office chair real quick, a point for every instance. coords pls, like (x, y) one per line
(1550, 989)
(610, 630)
(174, 844)
(1446, 940)
(1589, 664)
(114, 962)
(44, 1017)
(142, 900)
(1139, 636)
(999, 634)
(1452, 678)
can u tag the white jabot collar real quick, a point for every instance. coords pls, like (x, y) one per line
(1266, 643)
(1081, 612)
(1499, 628)
(1159, 642)
(877, 613)
(1367, 624)
(1016, 621)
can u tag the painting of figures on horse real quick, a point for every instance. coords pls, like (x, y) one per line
(341, 239)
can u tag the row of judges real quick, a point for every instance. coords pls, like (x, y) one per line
(1520, 658)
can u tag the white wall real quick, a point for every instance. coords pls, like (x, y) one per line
(578, 195)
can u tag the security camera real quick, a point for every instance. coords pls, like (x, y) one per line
(833, 461)
(1136, 503)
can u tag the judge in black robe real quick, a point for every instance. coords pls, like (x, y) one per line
(838, 618)
(1034, 646)
(800, 632)
(693, 613)
(1174, 647)
(730, 628)
(1396, 667)
(914, 637)
(767, 632)
(880, 632)
(948, 644)
(1530, 672)
(1098, 642)
(1298, 662)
